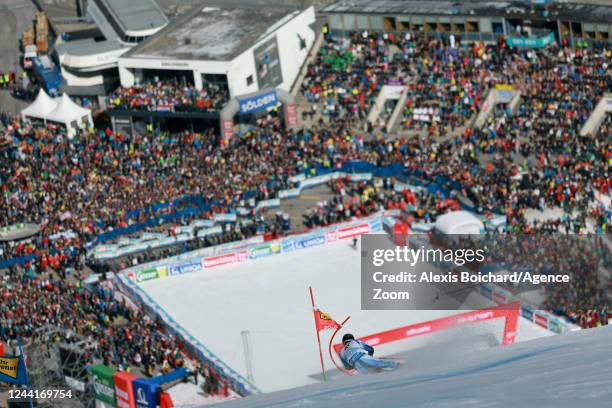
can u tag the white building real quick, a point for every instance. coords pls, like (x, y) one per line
(247, 49)
(87, 64)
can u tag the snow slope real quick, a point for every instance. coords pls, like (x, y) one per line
(569, 371)
(269, 297)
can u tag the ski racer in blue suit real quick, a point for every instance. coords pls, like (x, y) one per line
(359, 356)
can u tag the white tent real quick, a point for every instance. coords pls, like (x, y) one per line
(70, 114)
(41, 107)
(459, 222)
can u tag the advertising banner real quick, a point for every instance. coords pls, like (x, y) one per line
(180, 269)
(228, 129)
(527, 313)
(267, 63)
(527, 42)
(258, 102)
(210, 231)
(287, 245)
(504, 87)
(499, 298)
(227, 217)
(540, 320)
(274, 202)
(486, 291)
(261, 251)
(124, 391)
(375, 225)
(290, 193)
(555, 326)
(13, 370)
(309, 241)
(145, 393)
(354, 230)
(291, 114)
(219, 260)
(147, 274)
(103, 384)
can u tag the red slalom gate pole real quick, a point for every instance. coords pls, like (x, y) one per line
(318, 336)
(330, 347)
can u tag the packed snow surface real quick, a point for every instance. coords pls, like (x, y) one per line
(568, 371)
(269, 298)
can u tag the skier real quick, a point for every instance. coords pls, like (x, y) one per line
(359, 356)
(354, 244)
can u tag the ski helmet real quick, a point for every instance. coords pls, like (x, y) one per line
(347, 338)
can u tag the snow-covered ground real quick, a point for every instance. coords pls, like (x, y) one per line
(569, 371)
(269, 297)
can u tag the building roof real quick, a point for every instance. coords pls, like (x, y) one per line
(211, 33)
(89, 47)
(601, 12)
(134, 15)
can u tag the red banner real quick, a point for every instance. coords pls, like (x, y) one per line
(509, 312)
(228, 129)
(291, 114)
(540, 320)
(355, 230)
(219, 260)
(124, 391)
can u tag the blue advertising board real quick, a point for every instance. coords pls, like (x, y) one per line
(309, 241)
(258, 102)
(145, 393)
(526, 313)
(486, 291)
(185, 268)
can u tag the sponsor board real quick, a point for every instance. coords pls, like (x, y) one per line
(527, 313)
(331, 236)
(228, 129)
(186, 268)
(309, 241)
(258, 102)
(287, 245)
(261, 251)
(219, 260)
(373, 342)
(146, 274)
(227, 217)
(555, 326)
(504, 87)
(415, 331)
(499, 298)
(103, 384)
(289, 193)
(242, 255)
(540, 320)
(274, 202)
(486, 291)
(353, 231)
(291, 114)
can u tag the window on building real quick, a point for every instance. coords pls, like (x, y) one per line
(302, 41)
(250, 80)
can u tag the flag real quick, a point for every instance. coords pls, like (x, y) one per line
(13, 370)
(324, 321)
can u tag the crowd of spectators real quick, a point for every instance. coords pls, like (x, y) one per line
(585, 259)
(356, 199)
(121, 337)
(95, 182)
(169, 95)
